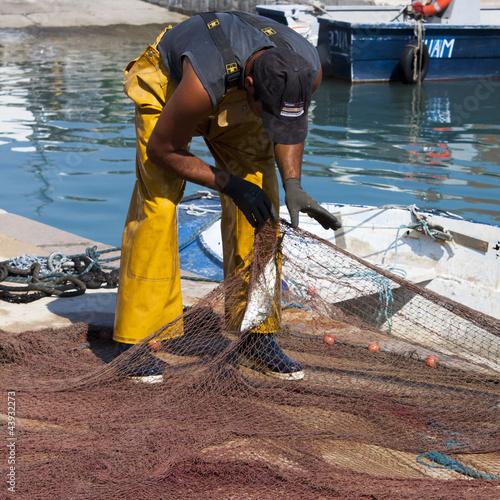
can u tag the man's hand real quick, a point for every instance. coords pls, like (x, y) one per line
(251, 200)
(297, 200)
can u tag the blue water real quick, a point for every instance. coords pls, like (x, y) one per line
(67, 143)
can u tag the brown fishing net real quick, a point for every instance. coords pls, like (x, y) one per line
(364, 422)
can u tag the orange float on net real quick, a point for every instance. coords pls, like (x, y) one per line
(155, 345)
(374, 347)
(329, 339)
(432, 361)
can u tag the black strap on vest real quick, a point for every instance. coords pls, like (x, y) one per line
(222, 43)
(233, 71)
(258, 23)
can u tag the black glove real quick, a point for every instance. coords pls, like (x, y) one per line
(297, 200)
(251, 200)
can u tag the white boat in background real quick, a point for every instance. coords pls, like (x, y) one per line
(447, 254)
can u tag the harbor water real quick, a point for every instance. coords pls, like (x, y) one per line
(67, 143)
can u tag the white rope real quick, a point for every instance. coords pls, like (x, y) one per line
(198, 210)
(418, 54)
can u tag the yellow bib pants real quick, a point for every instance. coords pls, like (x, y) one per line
(149, 292)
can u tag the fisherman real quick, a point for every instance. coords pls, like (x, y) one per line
(244, 83)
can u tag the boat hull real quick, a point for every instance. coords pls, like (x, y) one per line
(464, 269)
(371, 52)
(365, 43)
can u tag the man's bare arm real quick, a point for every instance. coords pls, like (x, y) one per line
(289, 160)
(175, 127)
(177, 122)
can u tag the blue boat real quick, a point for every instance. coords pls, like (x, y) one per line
(384, 43)
(195, 215)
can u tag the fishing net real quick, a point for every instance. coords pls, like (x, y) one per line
(373, 417)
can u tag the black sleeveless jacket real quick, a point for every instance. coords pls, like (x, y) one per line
(192, 39)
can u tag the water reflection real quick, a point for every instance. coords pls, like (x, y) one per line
(72, 136)
(67, 140)
(430, 141)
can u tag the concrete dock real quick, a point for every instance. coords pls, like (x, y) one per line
(67, 13)
(20, 236)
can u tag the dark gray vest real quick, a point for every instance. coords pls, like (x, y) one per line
(192, 39)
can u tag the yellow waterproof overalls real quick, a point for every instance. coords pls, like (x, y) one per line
(149, 292)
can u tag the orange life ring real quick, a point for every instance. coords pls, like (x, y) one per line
(430, 9)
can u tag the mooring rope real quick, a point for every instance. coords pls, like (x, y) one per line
(35, 287)
(80, 271)
(418, 54)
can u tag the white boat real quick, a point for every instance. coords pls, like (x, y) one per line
(445, 253)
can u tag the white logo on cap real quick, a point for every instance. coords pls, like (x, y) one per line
(292, 109)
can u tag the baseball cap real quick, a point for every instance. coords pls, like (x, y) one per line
(284, 79)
